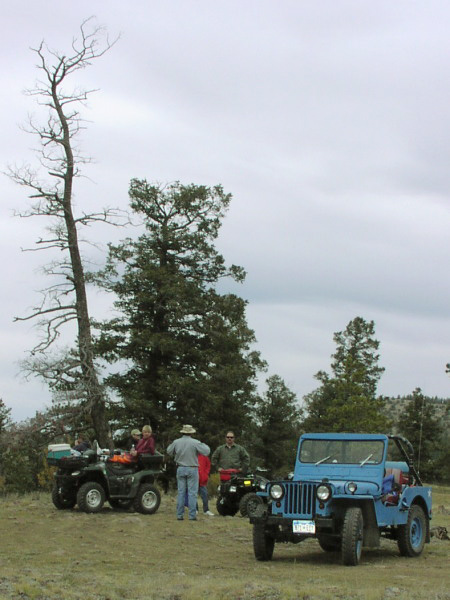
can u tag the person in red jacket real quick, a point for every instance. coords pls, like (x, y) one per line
(204, 466)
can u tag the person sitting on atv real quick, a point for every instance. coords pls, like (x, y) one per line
(230, 456)
(81, 444)
(146, 445)
(134, 438)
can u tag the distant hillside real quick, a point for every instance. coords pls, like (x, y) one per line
(395, 407)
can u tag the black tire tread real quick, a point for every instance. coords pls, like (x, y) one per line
(353, 522)
(62, 503)
(143, 489)
(263, 543)
(404, 538)
(82, 493)
(243, 503)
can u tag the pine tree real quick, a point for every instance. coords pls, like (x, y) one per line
(346, 400)
(187, 348)
(278, 417)
(420, 425)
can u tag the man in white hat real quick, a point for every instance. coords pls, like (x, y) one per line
(185, 450)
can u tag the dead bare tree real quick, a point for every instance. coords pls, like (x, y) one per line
(60, 157)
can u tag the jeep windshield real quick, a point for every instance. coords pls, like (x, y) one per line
(342, 452)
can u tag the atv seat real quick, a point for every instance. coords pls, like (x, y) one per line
(225, 474)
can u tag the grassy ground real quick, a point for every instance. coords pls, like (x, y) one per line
(49, 554)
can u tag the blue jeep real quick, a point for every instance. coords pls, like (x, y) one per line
(347, 494)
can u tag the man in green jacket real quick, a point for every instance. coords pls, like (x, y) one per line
(230, 455)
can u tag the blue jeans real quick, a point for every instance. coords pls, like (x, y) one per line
(187, 479)
(203, 491)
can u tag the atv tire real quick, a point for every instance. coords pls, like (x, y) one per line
(225, 509)
(91, 497)
(147, 499)
(243, 504)
(62, 502)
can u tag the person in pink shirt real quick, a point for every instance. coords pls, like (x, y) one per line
(146, 445)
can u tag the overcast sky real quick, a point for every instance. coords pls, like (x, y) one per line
(328, 121)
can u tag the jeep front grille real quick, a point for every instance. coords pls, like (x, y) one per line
(298, 501)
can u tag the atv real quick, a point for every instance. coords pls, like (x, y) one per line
(237, 492)
(89, 479)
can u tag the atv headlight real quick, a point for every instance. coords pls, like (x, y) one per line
(233, 488)
(323, 492)
(276, 491)
(247, 482)
(262, 485)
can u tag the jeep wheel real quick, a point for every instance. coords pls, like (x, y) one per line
(329, 543)
(411, 537)
(352, 536)
(263, 543)
(243, 504)
(120, 504)
(91, 497)
(62, 502)
(147, 500)
(225, 509)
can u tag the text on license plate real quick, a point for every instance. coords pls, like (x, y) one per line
(303, 527)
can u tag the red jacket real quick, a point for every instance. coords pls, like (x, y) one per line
(204, 466)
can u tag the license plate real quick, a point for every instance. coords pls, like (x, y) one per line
(303, 527)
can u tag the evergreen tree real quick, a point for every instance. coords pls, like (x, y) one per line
(420, 425)
(5, 416)
(278, 417)
(346, 400)
(187, 348)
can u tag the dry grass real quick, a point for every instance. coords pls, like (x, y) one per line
(48, 554)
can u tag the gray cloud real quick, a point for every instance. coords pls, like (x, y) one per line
(329, 123)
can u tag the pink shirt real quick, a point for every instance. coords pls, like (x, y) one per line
(146, 446)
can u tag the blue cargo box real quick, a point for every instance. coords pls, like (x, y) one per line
(56, 451)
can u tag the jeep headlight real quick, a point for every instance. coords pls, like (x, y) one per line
(276, 491)
(323, 492)
(262, 485)
(352, 487)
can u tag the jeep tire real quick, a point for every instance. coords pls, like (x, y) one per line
(352, 536)
(411, 537)
(147, 499)
(62, 502)
(91, 497)
(263, 543)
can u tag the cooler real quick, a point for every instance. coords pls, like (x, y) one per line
(57, 451)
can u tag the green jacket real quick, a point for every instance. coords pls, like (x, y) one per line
(233, 457)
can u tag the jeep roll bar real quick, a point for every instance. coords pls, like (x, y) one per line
(407, 451)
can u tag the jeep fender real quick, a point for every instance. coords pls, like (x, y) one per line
(371, 529)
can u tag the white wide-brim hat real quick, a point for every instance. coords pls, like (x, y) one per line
(187, 429)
